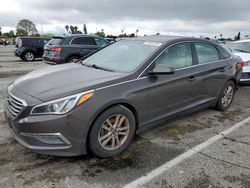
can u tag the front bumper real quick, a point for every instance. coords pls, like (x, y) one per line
(60, 135)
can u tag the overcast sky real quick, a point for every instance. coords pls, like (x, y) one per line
(181, 17)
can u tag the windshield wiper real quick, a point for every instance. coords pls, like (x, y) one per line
(97, 67)
(101, 68)
(241, 50)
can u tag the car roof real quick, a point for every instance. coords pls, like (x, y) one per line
(76, 35)
(168, 38)
(27, 37)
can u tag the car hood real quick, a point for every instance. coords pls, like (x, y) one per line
(63, 80)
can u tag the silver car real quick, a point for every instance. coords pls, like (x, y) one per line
(242, 49)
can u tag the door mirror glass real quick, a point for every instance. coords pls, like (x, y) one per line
(162, 69)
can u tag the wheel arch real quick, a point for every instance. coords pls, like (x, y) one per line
(125, 104)
(34, 51)
(234, 81)
(72, 55)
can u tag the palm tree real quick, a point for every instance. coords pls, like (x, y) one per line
(137, 30)
(67, 28)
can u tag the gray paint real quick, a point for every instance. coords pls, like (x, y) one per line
(152, 98)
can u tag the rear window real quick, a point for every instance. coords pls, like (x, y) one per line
(224, 54)
(55, 41)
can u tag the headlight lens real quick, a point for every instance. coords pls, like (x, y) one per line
(63, 105)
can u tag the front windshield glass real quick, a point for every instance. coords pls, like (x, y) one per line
(240, 47)
(122, 56)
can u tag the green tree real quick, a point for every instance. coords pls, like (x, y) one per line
(74, 30)
(20, 32)
(85, 29)
(0, 31)
(27, 26)
(11, 33)
(100, 33)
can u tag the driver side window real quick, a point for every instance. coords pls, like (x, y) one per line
(177, 56)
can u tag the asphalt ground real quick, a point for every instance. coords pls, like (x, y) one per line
(223, 163)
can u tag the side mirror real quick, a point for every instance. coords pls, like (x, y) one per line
(162, 69)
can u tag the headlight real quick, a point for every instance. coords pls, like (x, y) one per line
(63, 105)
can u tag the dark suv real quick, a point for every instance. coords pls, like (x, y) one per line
(71, 48)
(29, 48)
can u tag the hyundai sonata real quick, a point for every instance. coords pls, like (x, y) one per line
(98, 105)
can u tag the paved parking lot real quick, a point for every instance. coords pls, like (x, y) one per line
(161, 155)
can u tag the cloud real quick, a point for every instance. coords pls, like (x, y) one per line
(164, 16)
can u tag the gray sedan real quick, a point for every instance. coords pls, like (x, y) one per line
(98, 105)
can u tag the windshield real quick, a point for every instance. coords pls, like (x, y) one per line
(122, 56)
(240, 47)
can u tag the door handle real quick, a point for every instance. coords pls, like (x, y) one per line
(192, 78)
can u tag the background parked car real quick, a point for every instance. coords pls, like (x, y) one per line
(29, 48)
(242, 49)
(71, 48)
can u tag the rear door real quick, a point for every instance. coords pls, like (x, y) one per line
(211, 71)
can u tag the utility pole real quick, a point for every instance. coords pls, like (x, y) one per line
(42, 29)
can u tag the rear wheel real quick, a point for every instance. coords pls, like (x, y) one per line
(73, 59)
(112, 132)
(28, 56)
(226, 97)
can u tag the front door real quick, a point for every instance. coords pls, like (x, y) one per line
(170, 94)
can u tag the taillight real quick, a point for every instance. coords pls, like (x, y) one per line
(56, 49)
(242, 63)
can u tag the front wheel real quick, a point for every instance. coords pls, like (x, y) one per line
(226, 97)
(112, 132)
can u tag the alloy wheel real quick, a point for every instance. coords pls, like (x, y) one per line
(29, 56)
(114, 132)
(227, 95)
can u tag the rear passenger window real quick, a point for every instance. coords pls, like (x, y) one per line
(177, 56)
(206, 53)
(83, 41)
(101, 42)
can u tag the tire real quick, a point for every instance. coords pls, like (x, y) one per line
(105, 125)
(73, 59)
(226, 97)
(28, 56)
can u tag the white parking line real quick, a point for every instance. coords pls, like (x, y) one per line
(170, 164)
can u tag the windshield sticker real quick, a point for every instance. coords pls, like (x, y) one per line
(152, 43)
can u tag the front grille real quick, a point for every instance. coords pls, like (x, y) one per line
(15, 105)
(245, 75)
